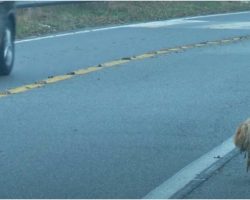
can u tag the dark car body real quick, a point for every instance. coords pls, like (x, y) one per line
(7, 36)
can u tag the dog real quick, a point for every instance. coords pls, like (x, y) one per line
(242, 140)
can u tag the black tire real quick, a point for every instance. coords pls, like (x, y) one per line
(7, 48)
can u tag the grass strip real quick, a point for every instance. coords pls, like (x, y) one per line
(79, 15)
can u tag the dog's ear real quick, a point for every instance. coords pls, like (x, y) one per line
(240, 136)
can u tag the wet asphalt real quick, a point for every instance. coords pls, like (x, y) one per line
(229, 182)
(120, 132)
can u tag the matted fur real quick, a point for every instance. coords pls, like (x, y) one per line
(242, 136)
(242, 139)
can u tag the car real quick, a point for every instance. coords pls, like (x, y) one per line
(7, 36)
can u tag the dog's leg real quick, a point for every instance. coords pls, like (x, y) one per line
(248, 160)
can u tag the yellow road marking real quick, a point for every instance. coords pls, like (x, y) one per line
(144, 56)
(200, 45)
(162, 51)
(58, 78)
(115, 62)
(118, 62)
(87, 70)
(33, 86)
(174, 49)
(187, 46)
(213, 42)
(225, 41)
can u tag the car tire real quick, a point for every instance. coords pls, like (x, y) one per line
(7, 49)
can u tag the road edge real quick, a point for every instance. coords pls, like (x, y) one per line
(205, 175)
(195, 173)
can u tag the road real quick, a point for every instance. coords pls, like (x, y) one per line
(122, 128)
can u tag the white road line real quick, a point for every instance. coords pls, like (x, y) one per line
(153, 24)
(232, 25)
(124, 26)
(190, 172)
(66, 34)
(219, 15)
(157, 24)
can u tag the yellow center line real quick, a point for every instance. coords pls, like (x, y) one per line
(86, 71)
(58, 78)
(144, 56)
(114, 63)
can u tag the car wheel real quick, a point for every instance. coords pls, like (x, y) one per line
(7, 49)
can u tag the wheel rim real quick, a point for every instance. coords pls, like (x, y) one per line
(8, 47)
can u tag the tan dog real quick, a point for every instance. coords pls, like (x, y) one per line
(242, 139)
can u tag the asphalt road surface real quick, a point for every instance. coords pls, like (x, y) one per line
(230, 182)
(120, 131)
